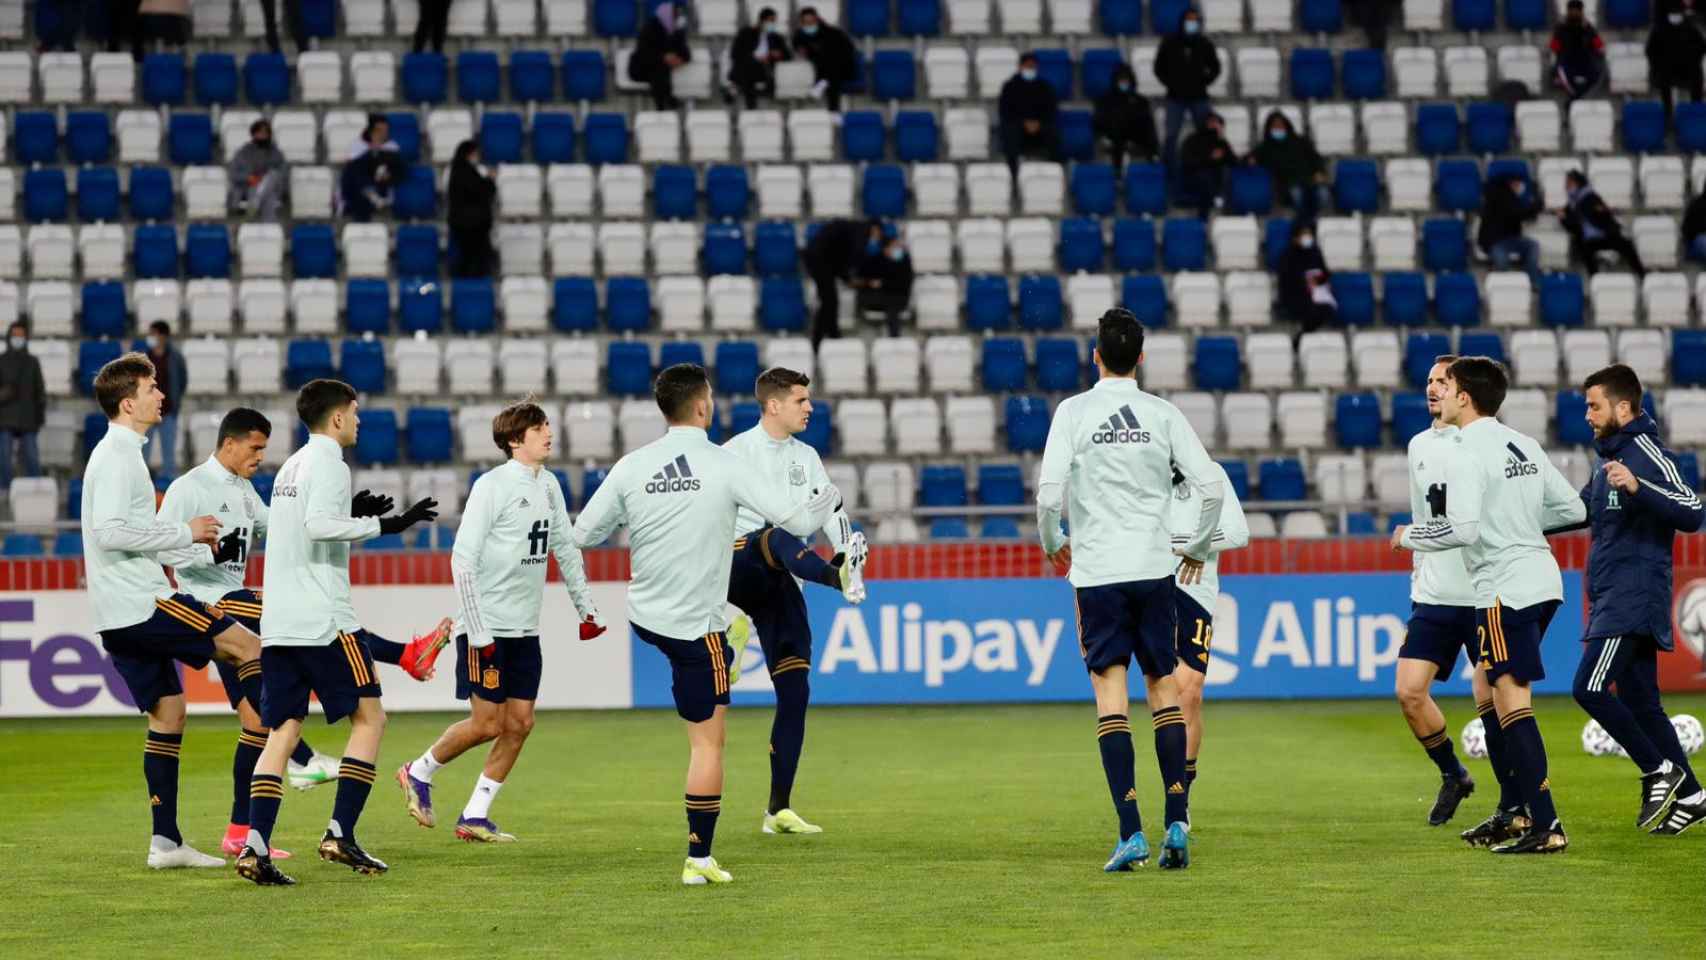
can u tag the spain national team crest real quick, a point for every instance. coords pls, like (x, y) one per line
(797, 474)
(489, 678)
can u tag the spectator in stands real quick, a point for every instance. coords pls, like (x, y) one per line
(660, 51)
(471, 195)
(1506, 204)
(434, 23)
(1299, 174)
(1593, 227)
(1305, 291)
(885, 283)
(367, 179)
(293, 23)
(122, 27)
(23, 405)
(377, 131)
(833, 57)
(1578, 53)
(753, 58)
(171, 375)
(1674, 50)
(1029, 107)
(1186, 64)
(1206, 158)
(58, 22)
(1372, 16)
(258, 174)
(165, 21)
(833, 253)
(1124, 120)
(1694, 227)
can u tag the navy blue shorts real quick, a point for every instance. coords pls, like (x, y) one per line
(243, 606)
(182, 630)
(340, 673)
(508, 668)
(1119, 621)
(762, 587)
(1194, 632)
(699, 668)
(1436, 633)
(1510, 640)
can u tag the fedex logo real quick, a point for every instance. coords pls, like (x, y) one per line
(64, 671)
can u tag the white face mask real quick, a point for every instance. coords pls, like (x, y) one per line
(153, 342)
(1306, 242)
(17, 343)
(1674, 19)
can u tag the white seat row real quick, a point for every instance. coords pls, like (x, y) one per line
(1248, 419)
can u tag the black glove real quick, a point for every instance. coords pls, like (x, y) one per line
(230, 548)
(425, 510)
(369, 504)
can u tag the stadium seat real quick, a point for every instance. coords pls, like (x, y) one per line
(884, 192)
(1643, 126)
(500, 137)
(164, 79)
(425, 78)
(1081, 245)
(1059, 365)
(1438, 130)
(307, 360)
(1146, 189)
(1281, 480)
(1027, 420)
(915, 137)
(1217, 363)
(1688, 358)
(429, 435)
(1488, 127)
(1444, 245)
(606, 136)
(1183, 244)
(862, 136)
(781, 304)
(893, 74)
(1311, 74)
(313, 251)
(1040, 305)
(1249, 190)
(266, 78)
(88, 138)
(989, 304)
(1357, 416)
(1134, 244)
(1457, 299)
(1364, 74)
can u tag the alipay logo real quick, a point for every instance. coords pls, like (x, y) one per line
(906, 642)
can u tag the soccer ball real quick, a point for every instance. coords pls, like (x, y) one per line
(1596, 741)
(1474, 739)
(1689, 732)
(1691, 618)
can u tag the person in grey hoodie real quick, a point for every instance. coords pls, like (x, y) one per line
(23, 405)
(258, 174)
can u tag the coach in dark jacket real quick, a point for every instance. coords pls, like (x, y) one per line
(834, 253)
(1124, 120)
(753, 57)
(831, 53)
(1029, 107)
(1186, 64)
(660, 50)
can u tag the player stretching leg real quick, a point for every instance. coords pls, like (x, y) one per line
(1502, 494)
(308, 630)
(144, 625)
(1636, 503)
(514, 522)
(1110, 458)
(679, 496)
(762, 582)
(1194, 605)
(221, 487)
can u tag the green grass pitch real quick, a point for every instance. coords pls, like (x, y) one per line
(950, 831)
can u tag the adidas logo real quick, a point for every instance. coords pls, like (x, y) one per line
(524, 504)
(154, 800)
(692, 837)
(224, 508)
(1546, 784)
(1131, 794)
(1519, 465)
(675, 477)
(1176, 788)
(1122, 427)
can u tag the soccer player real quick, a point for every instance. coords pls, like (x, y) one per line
(679, 496)
(514, 521)
(769, 564)
(1110, 458)
(221, 487)
(309, 631)
(1194, 604)
(144, 624)
(1636, 503)
(1501, 495)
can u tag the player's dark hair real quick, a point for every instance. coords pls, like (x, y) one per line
(677, 387)
(119, 379)
(1119, 341)
(1484, 379)
(1619, 383)
(161, 327)
(320, 398)
(241, 422)
(777, 382)
(512, 423)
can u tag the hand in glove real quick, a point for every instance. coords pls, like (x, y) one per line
(826, 499)
(424, 510)
(369, 504)
(230, 548)
(592, 625)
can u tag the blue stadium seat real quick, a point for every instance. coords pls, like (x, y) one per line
(743, 416)
(1121, 18)
(313, 251)
(406, 134)
(1358, 420)
(361, 364)
(1355, 293)
(22, 545)
(673, 352)
(574, 304)
(1238, 472)
(1469, 15)
(1093, 189)
(1040, 303)
(1060, 368)
(1276, 237)
(941, 528)
(630, 368)
(500, 137)
(97, 194)
(1249, 189)
(88, 137)
(1217, 364)
(1688, 358)
(1000, 485)
(1365, 74)
(417, 250)
(1360, 523)
(884, 191)
(919, 18)
(416, 195)
(1164, 15)
(74, 487)
(68, 543)
(1027, 424)
(1281, 479)
(1420, 349)
(862, 136)
(1643, 126)
(1134, 244)
(1489, 127)
(306, 360)
(1571, 418)
(725, 249)
(477, 76)
(1097, 68)
(1145, 295)
(1410, 415)
(266, 79)
(1457, 299)
(894, 75)
(775, 252)
(1054, 64)
(1688, 464)
(1356, 186)
(1691, 127)
(156, 247)
(1081, 245)
(942, 486)
(727, 193)
(390, 542)
(1311, 74)
(1527, 14)
(1506, 167)
(915, 137)
(319, 18)
(94, 428)
(1481, 343)
(819, 429)
(606, 138)
(420, 305)
(989, 305)
(999, 528)
(1077, 136)
(781, 304)
(367, 305)
(91, 356)
(164, 79)
(1146, 189)
(207, 251)
(553, 138)
(1457, 185)
(189, 139)
(1438, 130)
(1184, 244)
(1319, 16)
(1618, 14)
(473, 305)
(35, 137)
(376, 443)
(1561, 301)
(593, 477)
(736, 366)
(151, 194)
(583, 75)
(103, 309)
(532, 76)
(1404, 299)
(1445, 245)
(426, 78)
(616, 18)
(675, 192)
(628, 304)
(46, 196)
(868, 19)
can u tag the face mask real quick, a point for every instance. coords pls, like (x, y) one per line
(1125, 86)
(1306, 242)
(1192, 28)
(1028, 74)
(770, 28)
(1674, 19)
(897, 254)
(809, 29)
(153, 342)
(1278, 133)
(263, 142)
(873, 246)
(17, 342)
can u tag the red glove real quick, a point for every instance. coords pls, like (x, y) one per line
(592, 627)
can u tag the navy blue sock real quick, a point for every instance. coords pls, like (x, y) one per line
(160, 770)
(383, 650)
(1113, 737)
(1440, 751)
(1169, 725)
(783, 548)
(303, 752)
(1500, 756)
(355, 782)
(1190, 777)
(702, 823)
(788, 731)
(1522, 736)
(266, 792)
(249, 676)
(250, 743)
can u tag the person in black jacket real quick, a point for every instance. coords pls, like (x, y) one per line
(1372, 16)
(1029, 107)
(23, 405)
(1299, 174)
(1206, 158)
(368, 178)
(1674, 50)
(1593, 228)
(885, 283)
(660, 51)
(832, 56)
(1124, 120)
(1304, 294)
(832, 254)
(1694, 227)
(753, 58)
(429, 31)
(470, 197)
(1186, 64)
(1506, 204)
(1578, 53)
(1636, 504)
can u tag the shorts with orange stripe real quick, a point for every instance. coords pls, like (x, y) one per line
(339, 673)
(700, 669)
(243, 606)
(147, 654)
(1510, 640)
(508, 668)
